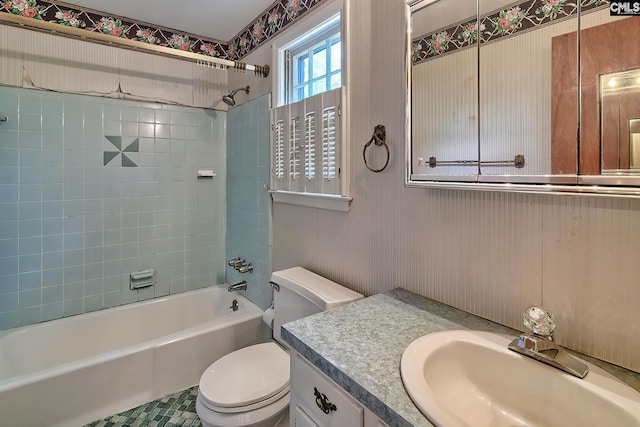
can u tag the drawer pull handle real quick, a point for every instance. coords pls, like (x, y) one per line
(323, 402)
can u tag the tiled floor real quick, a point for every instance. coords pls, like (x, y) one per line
(178, 409)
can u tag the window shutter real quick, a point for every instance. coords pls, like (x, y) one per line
(329, 180)
(294, 148)
(306, 145)
(278, 150)
(310, 146)
(279, 165)
(329, 143)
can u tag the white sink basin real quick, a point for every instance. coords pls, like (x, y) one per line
(471, 378)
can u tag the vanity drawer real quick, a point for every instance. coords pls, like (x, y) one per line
(322, 399)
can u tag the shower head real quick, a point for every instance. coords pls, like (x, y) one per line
(228, 99)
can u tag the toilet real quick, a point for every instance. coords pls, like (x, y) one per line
(250, 386)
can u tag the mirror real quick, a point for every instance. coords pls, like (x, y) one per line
(494, 95)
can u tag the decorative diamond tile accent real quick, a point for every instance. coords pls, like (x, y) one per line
(115, 140)
(132, 148)
(108, 156)
(126, 162)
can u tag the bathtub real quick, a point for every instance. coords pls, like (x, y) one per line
(75, 370)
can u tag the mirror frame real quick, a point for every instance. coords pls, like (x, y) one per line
(594, 185)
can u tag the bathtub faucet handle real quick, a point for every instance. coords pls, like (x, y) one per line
(246, 267)
(235, 262)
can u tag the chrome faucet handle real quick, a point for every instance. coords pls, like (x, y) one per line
(246, 268)
(539, 344)
(540, 321)
(235, 262)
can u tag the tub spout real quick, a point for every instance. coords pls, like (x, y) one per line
(242, 286)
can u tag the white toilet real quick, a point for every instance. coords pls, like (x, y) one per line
(250, 386)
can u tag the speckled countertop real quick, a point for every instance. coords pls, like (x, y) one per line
(360, 345)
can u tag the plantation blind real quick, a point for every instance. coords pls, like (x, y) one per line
(305, 144)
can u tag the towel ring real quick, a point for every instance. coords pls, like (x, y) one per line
(380, 138)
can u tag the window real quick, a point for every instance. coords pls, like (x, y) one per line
(308, 159)
(315, 66)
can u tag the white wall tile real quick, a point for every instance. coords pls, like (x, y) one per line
(81, 226)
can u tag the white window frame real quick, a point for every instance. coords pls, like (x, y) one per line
(323, 37)
(308, 27)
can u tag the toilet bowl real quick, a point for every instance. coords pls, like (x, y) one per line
(248, 387)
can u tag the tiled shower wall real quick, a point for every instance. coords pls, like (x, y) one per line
(248, 203)
(92, 189)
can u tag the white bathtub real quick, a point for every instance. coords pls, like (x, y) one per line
(72, 371)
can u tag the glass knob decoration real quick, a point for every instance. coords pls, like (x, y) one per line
(539, 320)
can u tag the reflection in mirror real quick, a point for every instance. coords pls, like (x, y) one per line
(609, 45)
(505, 116)
(634, 137)
(522, 103)
(620, 126)
(519, 86)
(444, 90)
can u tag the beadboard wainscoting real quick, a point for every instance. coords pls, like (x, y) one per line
(491, 254)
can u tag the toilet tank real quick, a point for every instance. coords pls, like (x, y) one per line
(303, 293)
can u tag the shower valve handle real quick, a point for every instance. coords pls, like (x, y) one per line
(236, 262)
(246, 268)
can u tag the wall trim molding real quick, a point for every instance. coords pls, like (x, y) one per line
(280, 15)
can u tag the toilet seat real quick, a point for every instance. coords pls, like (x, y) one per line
(246, 379)
(267, 416)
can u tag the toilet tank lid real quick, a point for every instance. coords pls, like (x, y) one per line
(319, 290)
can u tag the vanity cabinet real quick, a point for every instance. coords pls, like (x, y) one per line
(317, 401)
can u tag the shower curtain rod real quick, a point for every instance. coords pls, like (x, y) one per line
(78, 33)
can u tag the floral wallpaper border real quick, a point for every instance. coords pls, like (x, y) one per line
(275, 18)
(512, 20)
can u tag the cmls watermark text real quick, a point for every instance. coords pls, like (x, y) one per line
(624, 8)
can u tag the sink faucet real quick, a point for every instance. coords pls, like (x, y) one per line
(241, 286)
(539, 343)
